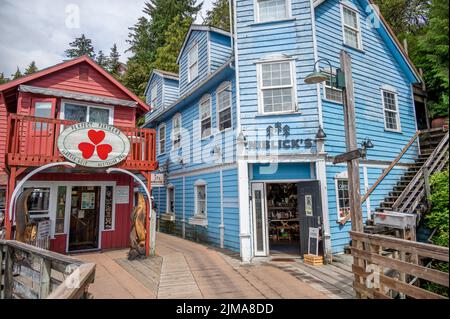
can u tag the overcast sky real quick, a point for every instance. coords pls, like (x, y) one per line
(41, 30)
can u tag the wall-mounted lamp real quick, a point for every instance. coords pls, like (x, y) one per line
(321, 134)
(319, 76)
(365, 145)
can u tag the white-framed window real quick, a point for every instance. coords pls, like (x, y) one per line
(390, 110)
(350, 27)
(162, 138)
(205, 116)
(272, 10)
(277, 87)
(193, 63)
(176, 131)
(39, 202)
(170, 199)
(154, 93)
(83, 112)
(342, 198)
(331, 92)
(44, 110)
(200, 199)
(223, 101)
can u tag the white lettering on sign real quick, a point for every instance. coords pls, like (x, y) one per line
(93, 145)
(122, 194)
(158, 180)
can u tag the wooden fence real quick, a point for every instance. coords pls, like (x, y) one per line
(387, 267)
(28, 272)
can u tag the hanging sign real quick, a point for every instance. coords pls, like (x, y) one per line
(313, 241)
(93, 145)
(158, 180)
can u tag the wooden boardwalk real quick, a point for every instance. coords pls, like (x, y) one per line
(187, 270)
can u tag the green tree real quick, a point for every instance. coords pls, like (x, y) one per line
(81, 46)
(17, 75)
(32, 68)
(219, 15)
(113, 61)
(438, 218)
(3, 80)
(102, 59)
(166, 56)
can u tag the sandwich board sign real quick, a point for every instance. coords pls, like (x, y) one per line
(313, 241)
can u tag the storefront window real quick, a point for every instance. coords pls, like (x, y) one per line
(60, 210)
(38, 202)
(343, 198)
(108, 224)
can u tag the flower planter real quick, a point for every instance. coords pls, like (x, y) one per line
(439, 122)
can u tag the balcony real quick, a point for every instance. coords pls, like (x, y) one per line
(33, 143)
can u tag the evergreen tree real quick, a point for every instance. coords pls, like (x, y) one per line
(81, 46)
(32, 68)
(113, 61)
(17, 75)
(3, 80)
(219, 15)
(166, 56)
(102, 59)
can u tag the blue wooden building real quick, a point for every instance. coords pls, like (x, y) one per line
(247, 146)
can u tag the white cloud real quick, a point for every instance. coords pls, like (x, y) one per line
(37, 30)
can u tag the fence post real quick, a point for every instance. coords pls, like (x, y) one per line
(45, 278)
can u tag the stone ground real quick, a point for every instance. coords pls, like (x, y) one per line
(186, 270)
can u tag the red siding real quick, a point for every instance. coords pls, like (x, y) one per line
(124, 116)
(58, 244)
(119, 237)
(69, 80)
(3, 132)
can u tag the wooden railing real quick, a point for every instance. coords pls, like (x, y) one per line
(414, 193)
(387, 267)
(28, 272)
(33, 141)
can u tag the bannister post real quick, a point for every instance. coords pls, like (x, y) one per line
(8, 276)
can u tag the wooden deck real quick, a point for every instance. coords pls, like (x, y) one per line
(187, 270)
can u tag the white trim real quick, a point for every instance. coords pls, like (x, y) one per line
(189, 65)
(274, 60)
(222, 224)
(222, 87)
(194, 172)
(358, 26)
(397, 110)
(336, 180)
(258, 20)
(88, 105)
(261, 187)
(206, 97)
(159, 138)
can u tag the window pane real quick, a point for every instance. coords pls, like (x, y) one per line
(201, 200)
(276, 74)
(225, 119)
(60, 210)
(98, 115)
(206, 127)
(162, 139)
(278, 100)
(205, 109)
(391, 120)
(343, 198)
(272, 10)
(74, 112)
(389, 101)
(38, 202)
(351, 37)
(224, 99)
(350, 18)
(43, 109)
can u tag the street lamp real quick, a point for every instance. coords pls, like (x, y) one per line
(319, 76)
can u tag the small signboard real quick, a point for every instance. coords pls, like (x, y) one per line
(309, 205)
(158, 180)
(122, 194)
(44, 229)
(87, 201)
(346, 157)
(313, 241)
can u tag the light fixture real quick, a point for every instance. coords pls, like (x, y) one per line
(321, 134)
(319, 76)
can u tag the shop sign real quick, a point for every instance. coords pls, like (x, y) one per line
(313, 241)
(122, 194)
(158, 180)
(278, 137)
(93, 145)
(43, 229)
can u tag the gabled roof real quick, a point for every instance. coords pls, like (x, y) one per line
(388, 35)
(199, 27)
(70, 63)
(164, 74)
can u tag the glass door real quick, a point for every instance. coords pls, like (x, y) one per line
(259, 219)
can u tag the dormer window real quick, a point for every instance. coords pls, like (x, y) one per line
(154, 94)
(271, 10)
(193, 63)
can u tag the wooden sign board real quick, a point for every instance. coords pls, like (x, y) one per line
(346, 157)
(313, 241)
(158, 180)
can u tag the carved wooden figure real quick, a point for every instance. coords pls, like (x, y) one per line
(138, 231)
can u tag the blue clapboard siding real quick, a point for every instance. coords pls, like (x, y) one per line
(339, 234)
(171, 91)
(200, 38)
(257, 41)
(371, 68)
(158, 81)
(211, 233)
(220, 50)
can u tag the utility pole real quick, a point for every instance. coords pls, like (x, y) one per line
(352, 144)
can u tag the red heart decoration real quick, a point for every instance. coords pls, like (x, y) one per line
(87, 150)
(96, 137)
(103, 151)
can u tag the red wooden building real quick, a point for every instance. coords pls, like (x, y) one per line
(89, 209)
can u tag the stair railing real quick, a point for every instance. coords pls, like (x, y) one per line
(413, 194)
(391, 166)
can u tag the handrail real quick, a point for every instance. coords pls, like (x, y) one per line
(436, 154)
(391, 166)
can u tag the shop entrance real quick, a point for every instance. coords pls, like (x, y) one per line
(283, 214)
(84, 218)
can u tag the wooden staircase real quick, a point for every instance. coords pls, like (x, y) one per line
(411, 192)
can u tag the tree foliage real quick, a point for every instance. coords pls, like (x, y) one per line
(17, 75)
(219, 15)
(102, 60)
(3, 79)
(79, 47)
(438, 218)
(113, 61)
(32, 68)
